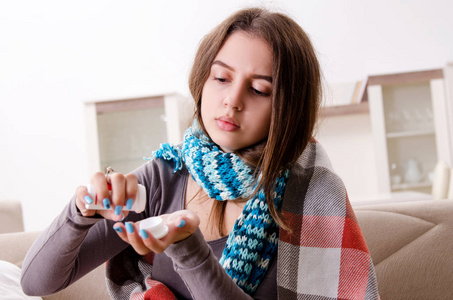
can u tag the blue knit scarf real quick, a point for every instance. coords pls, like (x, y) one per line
(253, 241)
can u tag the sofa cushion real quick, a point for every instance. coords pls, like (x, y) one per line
(411, 247)
(14, 246)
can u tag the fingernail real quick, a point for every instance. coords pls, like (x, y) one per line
(88, 199)
(122, 218)
(118, 229)
(129, 227)
(129, 204)
(106, 202)
(143, 233)
(118, 210)
(182, 223)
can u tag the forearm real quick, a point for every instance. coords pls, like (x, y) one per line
(64, 252)
(203, 275)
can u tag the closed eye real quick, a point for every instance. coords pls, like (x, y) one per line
(219, 79)
(259, 93)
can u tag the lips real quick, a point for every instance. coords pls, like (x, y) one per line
(227, 124)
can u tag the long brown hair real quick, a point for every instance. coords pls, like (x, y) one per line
(296, 96)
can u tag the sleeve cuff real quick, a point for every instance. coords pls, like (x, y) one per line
(190, 252)
(76, 217)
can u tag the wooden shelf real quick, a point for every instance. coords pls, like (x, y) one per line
(122, 131)
(399, 134)
(388, 79)
(404, 78)
(408, 186)
(403, 95)
(360, 108)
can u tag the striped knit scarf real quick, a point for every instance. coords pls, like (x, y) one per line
(224, 176)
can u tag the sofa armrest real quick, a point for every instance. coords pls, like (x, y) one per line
(11, 219)
(14, 246)
(411, 245)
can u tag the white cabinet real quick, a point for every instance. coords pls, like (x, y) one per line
(122, 132)
(409, 117)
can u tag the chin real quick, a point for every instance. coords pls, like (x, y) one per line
(228, 149)
(225, 146)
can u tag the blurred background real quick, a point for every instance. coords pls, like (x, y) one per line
(58, 57)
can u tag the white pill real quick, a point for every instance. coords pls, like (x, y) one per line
(155, 226)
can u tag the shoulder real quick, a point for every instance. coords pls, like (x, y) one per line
(313, 186)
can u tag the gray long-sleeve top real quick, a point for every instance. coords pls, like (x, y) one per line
(74, 245)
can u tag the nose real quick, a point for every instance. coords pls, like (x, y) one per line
(235, 98)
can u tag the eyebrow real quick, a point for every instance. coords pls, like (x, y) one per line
(255, 76)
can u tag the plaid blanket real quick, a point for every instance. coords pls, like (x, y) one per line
(333, 258)
(324, 257)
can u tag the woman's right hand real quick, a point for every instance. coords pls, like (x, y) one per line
(124, 190)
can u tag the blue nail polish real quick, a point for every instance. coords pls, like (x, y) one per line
(118, 229)
(88, 199)
(106, 202)
(182, 223)
(129, 204)
(118, 210)
(129, 227)
(143, 233)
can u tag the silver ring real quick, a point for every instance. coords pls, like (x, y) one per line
(108, 170)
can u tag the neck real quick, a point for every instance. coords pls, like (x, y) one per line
(217, 218)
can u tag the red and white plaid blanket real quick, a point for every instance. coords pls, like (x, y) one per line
(333, 261)
(325, 257)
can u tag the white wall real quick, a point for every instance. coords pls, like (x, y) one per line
(55, 55)
(349, 143)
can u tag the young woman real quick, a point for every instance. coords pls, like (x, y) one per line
(252, 205)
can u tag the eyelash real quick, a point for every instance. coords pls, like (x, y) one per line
(255, 91)
(259, 93)
(219, 79)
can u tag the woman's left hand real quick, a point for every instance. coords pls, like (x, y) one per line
(181, 224)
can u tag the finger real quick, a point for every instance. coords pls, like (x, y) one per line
(131, 190)
(150, 242)
(118, 182)
(180, 224)
(121, 231)
(83, 198)
(184, 220)
(178, 230)
(143, 243)
(102, 190)
(135, 240)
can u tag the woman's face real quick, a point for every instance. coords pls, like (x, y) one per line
(236, 102)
